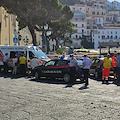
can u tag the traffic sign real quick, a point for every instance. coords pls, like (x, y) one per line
(15, 40)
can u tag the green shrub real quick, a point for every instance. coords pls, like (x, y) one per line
(59, 51)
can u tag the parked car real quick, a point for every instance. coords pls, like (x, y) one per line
(97, 67)
(52, 69)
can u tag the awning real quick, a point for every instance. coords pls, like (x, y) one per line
(109, 44)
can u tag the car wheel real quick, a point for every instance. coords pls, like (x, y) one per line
(96, 74)
(37, 75)
(1, 68)
(66, 77)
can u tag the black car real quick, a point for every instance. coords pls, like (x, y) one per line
(52, 69)
(97, 67)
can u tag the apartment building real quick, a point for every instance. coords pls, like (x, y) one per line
(107, 34)
(116, 5)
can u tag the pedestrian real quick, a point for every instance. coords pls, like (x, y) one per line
(15, 63)
(34, 62)
(73, 63)
(107, 64)
(118, 67)
(86, 66)
(5, 61)
(22, 62)
(114, 60)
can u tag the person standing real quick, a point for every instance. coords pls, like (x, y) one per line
(118, 67)
(22, 61)
(73, 63)
(5, 61)
(107, 64)
(114, 60)
(15, 61)
(34, 62)
(86, 66)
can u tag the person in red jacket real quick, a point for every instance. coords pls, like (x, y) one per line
(114, 60)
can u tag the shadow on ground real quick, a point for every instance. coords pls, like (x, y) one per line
(55, 81)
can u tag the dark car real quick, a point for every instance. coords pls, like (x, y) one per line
(97, 67)
(52, 69)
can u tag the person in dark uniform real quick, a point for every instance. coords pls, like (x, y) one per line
(73, 63)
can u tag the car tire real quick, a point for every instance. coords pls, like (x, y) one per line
(98, 75)
(1, 69)
(36, 75)
(66, 78)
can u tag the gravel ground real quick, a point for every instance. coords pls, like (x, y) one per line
(28, 99)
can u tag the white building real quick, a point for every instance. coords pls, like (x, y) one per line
(107, 34)
(109, 6)
(116, 5)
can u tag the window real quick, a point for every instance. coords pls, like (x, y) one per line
(31, 55)
(97, 13)
(76, 25)
(12, 54)
(93, 12)
(50, 63)
(76, 36)
(59, 63)
(82, 25)
(98, 36)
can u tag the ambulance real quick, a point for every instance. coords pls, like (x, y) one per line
(28, 51)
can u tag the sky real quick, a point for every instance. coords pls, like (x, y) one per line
(113, 0)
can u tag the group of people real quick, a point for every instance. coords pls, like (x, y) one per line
(17, 61)
(111, 63)
(86, 66)
(108, 63)
(20, 62)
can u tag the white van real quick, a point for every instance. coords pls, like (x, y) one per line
(29, 52)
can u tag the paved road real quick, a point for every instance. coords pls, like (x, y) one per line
(28, 99)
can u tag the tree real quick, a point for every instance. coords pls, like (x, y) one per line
(34, 12)
(62, 30)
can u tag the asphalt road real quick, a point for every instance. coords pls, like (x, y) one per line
(28, 99)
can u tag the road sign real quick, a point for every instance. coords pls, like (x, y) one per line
(15, 40)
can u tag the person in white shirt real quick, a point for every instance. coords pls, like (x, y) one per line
(34, 62)
(15, 61)
(5, 61)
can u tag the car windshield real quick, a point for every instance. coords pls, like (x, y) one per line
(40, 55)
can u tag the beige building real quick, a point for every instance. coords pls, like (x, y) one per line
(8, 27)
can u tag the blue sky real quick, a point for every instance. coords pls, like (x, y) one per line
(113, 0)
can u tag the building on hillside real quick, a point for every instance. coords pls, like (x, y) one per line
(78, 8)
(107, 34)
(109, 6)
(116, 5)
(98, 12)
(99, 21)
(8, 27)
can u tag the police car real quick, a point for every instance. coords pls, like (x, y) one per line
(52, 69)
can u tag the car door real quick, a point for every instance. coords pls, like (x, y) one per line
(61, 68)
(93, 67)
(47, 68)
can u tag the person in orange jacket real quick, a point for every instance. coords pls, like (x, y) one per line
(114, 60)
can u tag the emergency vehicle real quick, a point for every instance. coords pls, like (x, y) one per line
(28, 51)
(56, 68)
